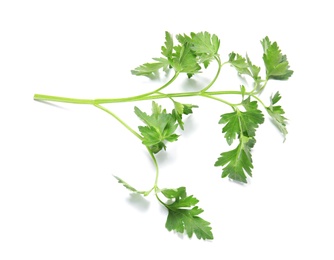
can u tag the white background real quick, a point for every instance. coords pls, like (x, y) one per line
(58, 197)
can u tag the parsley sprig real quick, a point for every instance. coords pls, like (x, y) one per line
(190, 55)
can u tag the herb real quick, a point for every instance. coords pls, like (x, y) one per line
(243, 125)
(189, 55)
(183, 217)
(160, 127)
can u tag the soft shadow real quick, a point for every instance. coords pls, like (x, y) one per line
(162, 156)
(180, 235)
(51, 104)
(194, 85)
(240, 183)
(243, 80)
(138, 202)
(189, 126)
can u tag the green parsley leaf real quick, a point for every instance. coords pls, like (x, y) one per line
(276, 113)
(243, 91)
(240, 123)
(274, 99)
(188, 108)
(126, 185)
(237, 162)
(205, 43)
(160, 127)
(178, 117)
(184, 60)
(277, 66)
(181, 109)
(151, 69)
(183, 39)
(183, 214)
(129, 187)
(239, 63)
(254, 70)
(178, 107)
(205, 46)
(167, 50)
(244, 65)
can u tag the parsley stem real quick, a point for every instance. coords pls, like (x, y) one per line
(157, 95)
(41, 97)
(119, 120)
(256, 91)
(218, 99)
(220, 65)
(158, 89)
(258, 99)
(169, 95)
(156, 169)
(90, 101)
(156, 195)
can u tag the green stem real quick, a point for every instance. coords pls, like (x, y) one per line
(216, 76)
(158, 89)
(132, 99)
(258, 99)
(218, 99)
(120, 120)
(41, 97)
(163, 203)
(156, 169)
(90, 101)
(259, 91)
